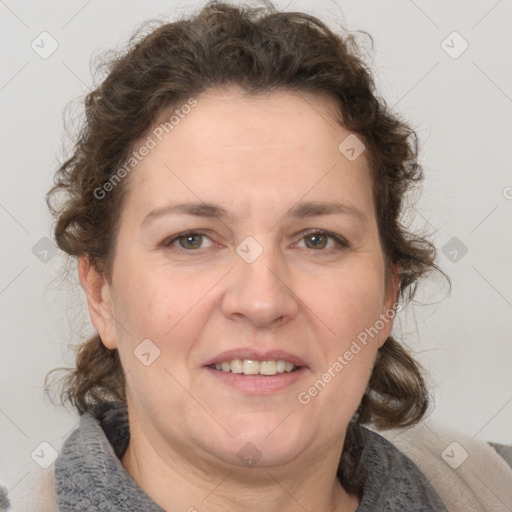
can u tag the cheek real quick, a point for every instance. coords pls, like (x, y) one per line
(348, 355)
(155, 332)
(162, 306)
(349, 309)
(349, 303)
(147, 299)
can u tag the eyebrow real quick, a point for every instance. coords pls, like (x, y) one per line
(299, 211)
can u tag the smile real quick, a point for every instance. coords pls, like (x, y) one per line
(252, 367)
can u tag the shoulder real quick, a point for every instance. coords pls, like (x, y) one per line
(392, 481)
(34, 493)
(467, 474)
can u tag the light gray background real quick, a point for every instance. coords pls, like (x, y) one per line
(461, 109)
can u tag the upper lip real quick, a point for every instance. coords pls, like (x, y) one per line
(256, 355)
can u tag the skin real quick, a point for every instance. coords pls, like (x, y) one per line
(257, 156)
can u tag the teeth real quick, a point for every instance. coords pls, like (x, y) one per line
(251, 367)
(268, 367)
(236, 366)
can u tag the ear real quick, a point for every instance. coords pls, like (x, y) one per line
(390, 305)
(99, 300)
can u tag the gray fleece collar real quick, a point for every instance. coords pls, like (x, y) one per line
(89, 474)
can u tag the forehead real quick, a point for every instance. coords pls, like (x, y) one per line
(270, 148)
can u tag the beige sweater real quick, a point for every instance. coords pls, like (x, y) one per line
(468, 474)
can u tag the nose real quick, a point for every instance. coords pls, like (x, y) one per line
(261, 293)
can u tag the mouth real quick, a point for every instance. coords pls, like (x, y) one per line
(257, 373)
(252, 367)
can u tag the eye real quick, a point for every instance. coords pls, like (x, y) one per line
(319, 240)
(189, 240)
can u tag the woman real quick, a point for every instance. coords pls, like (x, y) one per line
(233, 202)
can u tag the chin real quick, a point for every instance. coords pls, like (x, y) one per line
(264, 445)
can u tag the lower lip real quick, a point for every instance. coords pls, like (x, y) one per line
(258, 384)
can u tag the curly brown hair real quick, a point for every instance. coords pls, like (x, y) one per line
(260, 50)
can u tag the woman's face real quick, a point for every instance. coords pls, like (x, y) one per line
(255, 284)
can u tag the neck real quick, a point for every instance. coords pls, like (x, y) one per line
(175, 482)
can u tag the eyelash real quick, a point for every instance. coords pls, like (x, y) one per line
(340, 241)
